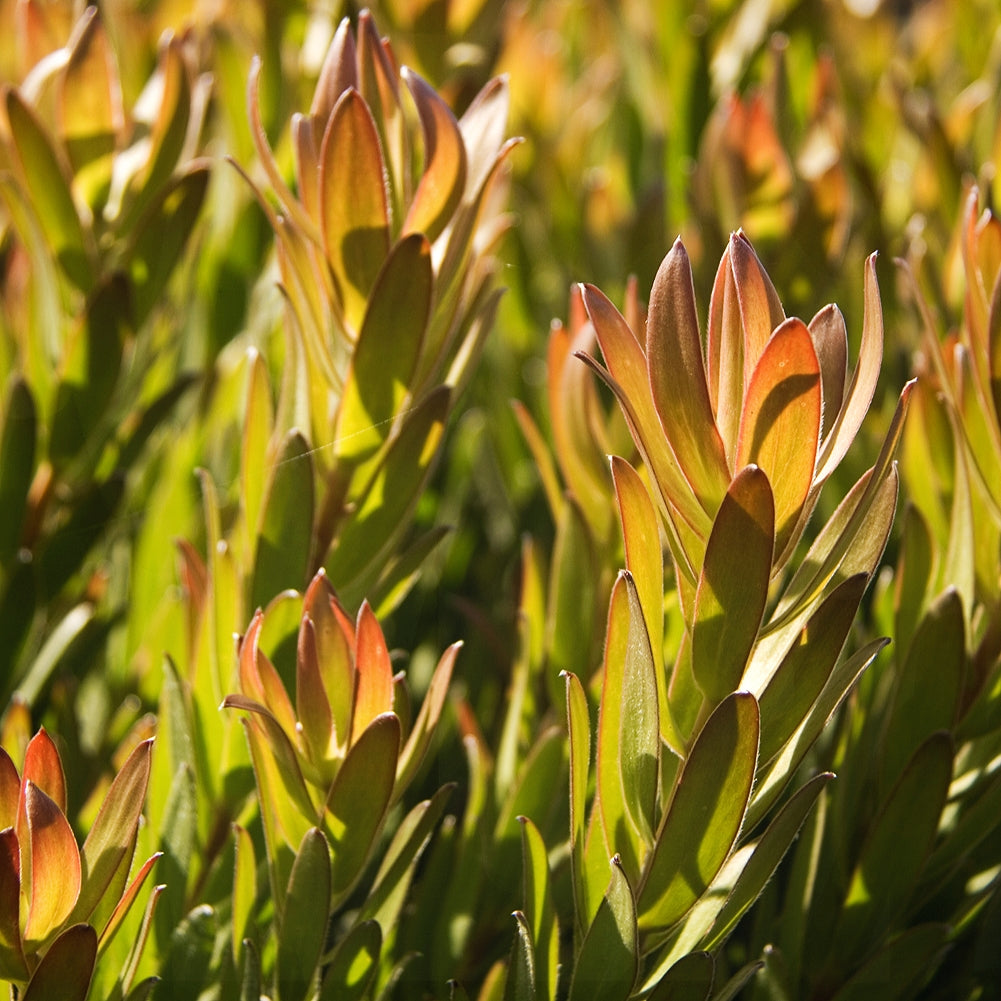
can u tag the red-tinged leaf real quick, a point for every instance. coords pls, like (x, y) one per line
(334, 636)
(733, 586)
(725, 354)
(426, 723)
(639, 739)
(312, 704)
(830, 341)
(127, 899)
(994, 350)
(579, 732)
(11, 955)
(704, 817)
(307, 134)
(353, 205)
(620, 835)
(608, 960)
(626, 376)
(45, 176)
(388, 347)
(55, 866)
(780, 425)
(678, 380)
(645, 561)
(848, 420)
(760, 309)
(374, 677)
(443, 182)
(358, 800)
(337, 74)
(800, 677)
(10, 790)
(302, 930)
(266, 685)
(66, 967)
(542, 457)
(483, 126)
(106, 855)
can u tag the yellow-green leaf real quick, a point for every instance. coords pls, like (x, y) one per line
(539, 910)
(353, 964)
(302, 929)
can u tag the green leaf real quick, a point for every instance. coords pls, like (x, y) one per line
(18, 441)
(894, 853)
(539, 910)
(571, 597)
(45, 177)
(806, 667)
(765, 859)
(702, 822)
(354, 964)
(353, 203)
(912, 576)
(443, 181)
(386, 353)
(160, 237)
(689, 979)
(303, 926)
(250, 980)
(608, 961)
(358, 800)
(283, 545)
(66, 967)
(639, 737)
(244, 895)
(520, 982)
(645, 561)
(678, 380)
(386, 501)
(107, 851)
(920, 705)
(177, 839)
(579, 731)
(780, 423)
(385, 900)
(731, 595)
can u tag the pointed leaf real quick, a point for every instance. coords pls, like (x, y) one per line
(443, 181)
(830, 341)
(353, 965)
(520, 983)
(353, 202)
(386, 353)
(127, 899)
(780, 423)
(374, 678)
(303, 928)
(731, 596)
(702, 822)
(608, 961)
(579, 731)
(66, 967)
(43, 767)
(55, 866)
(359, 799)
(765, 859)
(539, 910)
(678, 380)
(107, 851)
(244, 892)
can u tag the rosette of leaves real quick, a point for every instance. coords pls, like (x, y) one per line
(61, 904)
(97, 206)
(691, 759)
(330, 762)
(384, 252)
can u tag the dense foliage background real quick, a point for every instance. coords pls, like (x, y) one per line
(255, 354)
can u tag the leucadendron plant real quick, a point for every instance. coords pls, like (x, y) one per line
(692, 759)
(386, 267)
(330, 762)
(62, 904)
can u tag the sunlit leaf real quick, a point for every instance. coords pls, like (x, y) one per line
(731, 595)
(353, 205)
(520, 983)
(693, 842)
(244, 891)
(354, 963)
(678, 380)
(579, 732)
(43, 767)
(374, 677)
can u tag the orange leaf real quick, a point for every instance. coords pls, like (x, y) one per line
(43, 767)
(10, 790)
(55, 865)
(11, 956)
(780, 425)
(374, 677)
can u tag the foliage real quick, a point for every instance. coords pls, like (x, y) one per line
(272, 439)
